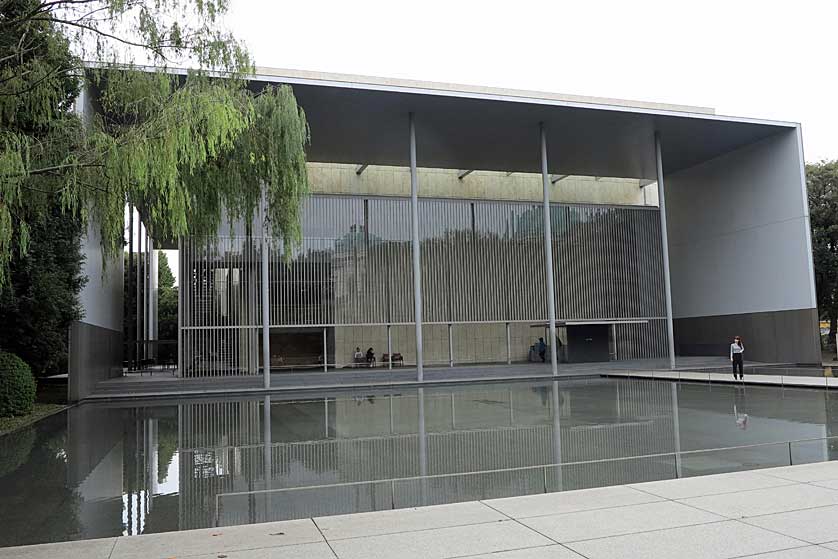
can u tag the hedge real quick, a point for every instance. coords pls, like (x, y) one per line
(17, 386)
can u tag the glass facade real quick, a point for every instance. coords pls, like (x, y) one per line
(350, 284)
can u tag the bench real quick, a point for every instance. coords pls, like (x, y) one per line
(397, 359)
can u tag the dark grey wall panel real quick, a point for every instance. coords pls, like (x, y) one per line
(95, 355)
(769, 337)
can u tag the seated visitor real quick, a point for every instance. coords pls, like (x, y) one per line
(357, 357)
(370, 357)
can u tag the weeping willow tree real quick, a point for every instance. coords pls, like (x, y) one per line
(184, 147)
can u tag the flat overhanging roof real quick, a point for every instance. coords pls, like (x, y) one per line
(364, 120)
(356, 119)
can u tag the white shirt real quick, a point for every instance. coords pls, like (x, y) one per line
(734, 348)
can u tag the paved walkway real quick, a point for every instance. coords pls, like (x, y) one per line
(167, 385)
(727, 378)
(771, 514)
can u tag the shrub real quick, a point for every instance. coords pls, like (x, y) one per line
(17, 386)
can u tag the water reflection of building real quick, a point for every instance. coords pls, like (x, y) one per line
(195, 464)
(378, 437)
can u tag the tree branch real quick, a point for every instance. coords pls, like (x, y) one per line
(52, 169)
(155, 49)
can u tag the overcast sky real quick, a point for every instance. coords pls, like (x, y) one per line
(764, 59)
(767, 59)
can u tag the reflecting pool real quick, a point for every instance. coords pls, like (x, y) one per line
(105, 470)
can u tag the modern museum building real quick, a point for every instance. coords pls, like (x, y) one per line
(469, 222)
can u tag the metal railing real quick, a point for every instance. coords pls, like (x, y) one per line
(549, 476)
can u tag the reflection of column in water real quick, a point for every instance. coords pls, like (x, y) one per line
(266, 433)
(151, 457)
(676, 430)
(181, 468)
(557, 435)
(423, 445)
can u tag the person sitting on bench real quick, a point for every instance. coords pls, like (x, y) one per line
(370, 358)
(357, 357)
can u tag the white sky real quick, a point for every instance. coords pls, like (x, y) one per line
(765, 59)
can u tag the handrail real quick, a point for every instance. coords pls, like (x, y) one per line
(675, 454)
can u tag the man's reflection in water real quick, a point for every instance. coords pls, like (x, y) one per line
(739, 407)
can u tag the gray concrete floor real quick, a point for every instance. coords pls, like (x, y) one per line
(165, 383)
(763, 379)
(772, 513)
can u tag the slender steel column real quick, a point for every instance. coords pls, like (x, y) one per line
(266, 305)
(665, 250)
(326, 418)
(423, 445)
(325, 353)
(676, 428)
(450, 346)
(389, 348)
(131, 273)
(417, 277)
(181, 274)
(508, 346)
(146, 294)
(557, 433)
(140, 282)
(548, 253)
(152, 297)
(267, 454)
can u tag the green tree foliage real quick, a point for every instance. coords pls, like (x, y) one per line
(165, 277)
(41, 298)
(822, 181)
(17, 386)
(167, 305)
(129, 300)
(179, 146)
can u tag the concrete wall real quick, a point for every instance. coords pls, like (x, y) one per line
(95, 355)
(769, 337)
(740, 248)
(377, 180)
(96, 340)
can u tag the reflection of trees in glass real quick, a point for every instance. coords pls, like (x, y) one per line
(166, 446)
(15, 448)
(39, 486)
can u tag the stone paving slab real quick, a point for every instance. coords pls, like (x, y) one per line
(548, 552)
(720, 540)
(805, 473)
(301, 551)
(85, 549)
(217, 540)
(814, 525)
(406, 520)
(442, 543)
(828, 483)
(775, 513)
(758, 502)
(602, 523)
(716, 484)
(570, 501)
(808, 552)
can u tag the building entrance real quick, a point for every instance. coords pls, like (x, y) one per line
(588, 343)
